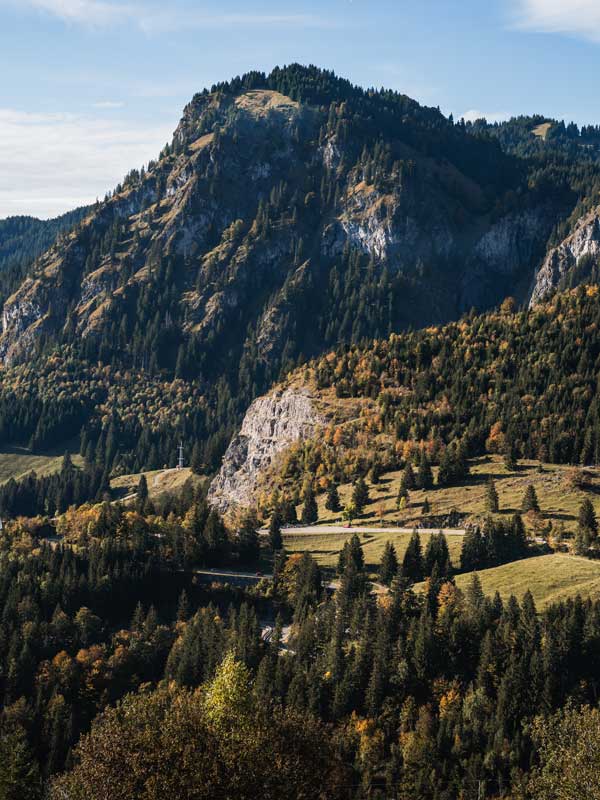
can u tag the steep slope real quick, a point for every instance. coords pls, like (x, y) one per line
(363, 210)
(520, 384)
(574, 261)
(23, 239)
(291, 213)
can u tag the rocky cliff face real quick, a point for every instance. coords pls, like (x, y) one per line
(271, 424)
(577, 254)
(236, 246)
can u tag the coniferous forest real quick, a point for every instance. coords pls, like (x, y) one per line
(388, 266)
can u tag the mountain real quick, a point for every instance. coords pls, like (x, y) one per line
(291, 212)
(23, 239)
(523, 383)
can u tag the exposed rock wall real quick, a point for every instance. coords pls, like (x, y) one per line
(584, 241)
(272, 423)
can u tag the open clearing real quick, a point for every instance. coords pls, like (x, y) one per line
(550, 578)
(160, 481)
(326, 547)
(17, 462)
(558, 500)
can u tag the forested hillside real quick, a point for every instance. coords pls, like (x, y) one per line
(368, 214)
(23, 239)
(520, 384)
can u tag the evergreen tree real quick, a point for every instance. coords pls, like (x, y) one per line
(248, 541)
(360, 494)
(332, 503)
(412, 563)
(587, 528)
(402, 499)
(310, 512)
(530, 501)
(19, 772)
(491, 497)
(275, 537)
(510, 455)
(408, 481)
(424, 479)
(389, 564)
(142, 495)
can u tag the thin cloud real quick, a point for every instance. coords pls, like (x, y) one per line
(50, 163)
(108, 104)
(152, 18)
(87, 12)
(579, 18)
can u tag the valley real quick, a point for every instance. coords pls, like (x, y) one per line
(299, 457)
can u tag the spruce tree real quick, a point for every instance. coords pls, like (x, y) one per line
(491, 497)
(360, 494)
(389, 564)
(412, 563)
(424, 479)
(142, 495)
(310, 512)
(530, 501)
(332, 502)
(408, 477)
(275, 537)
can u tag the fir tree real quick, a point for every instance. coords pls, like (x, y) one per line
(424, 479)
(491, 497)
(408, 478)
(310, 512)
(332, 502)
(275, 537)
(360, 494)
(389, 564)
(530, 501)
(412, 563)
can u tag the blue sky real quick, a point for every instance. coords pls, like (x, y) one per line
(92, 88)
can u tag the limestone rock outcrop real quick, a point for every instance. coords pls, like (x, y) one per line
(272, 423)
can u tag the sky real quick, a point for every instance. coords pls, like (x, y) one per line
(93, 88)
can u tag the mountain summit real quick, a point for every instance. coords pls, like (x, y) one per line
(292, 212)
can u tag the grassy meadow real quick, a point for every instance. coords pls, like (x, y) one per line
(559, 501)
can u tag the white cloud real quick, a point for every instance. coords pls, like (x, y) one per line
(50, 163)
(108, 104)
(88, 12)
(153, 18)
(575, 17)
(491, 116)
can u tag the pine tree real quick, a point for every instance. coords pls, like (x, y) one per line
(530, 501)
(412, 564)
(332, 503)
(19, 772)
(491, 497)
(310, 512)
(142, 495)
(510, 455)
(587, 528)
(389, 564)
(402, 499)
(408, 478)
(424, 479)
(275, 537)
(360, 494)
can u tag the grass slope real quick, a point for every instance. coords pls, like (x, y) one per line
(17, 462)
(159, 481)
(550, 578)
(326, 547)
(558, 500)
